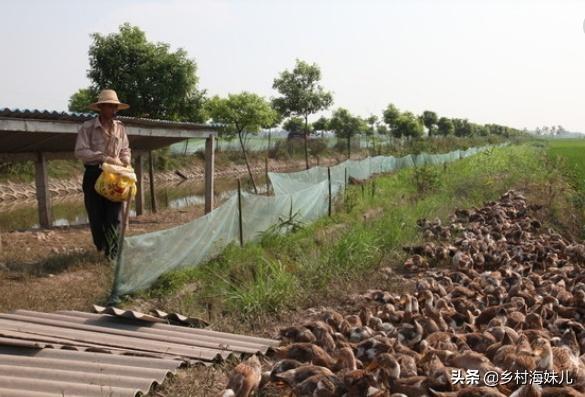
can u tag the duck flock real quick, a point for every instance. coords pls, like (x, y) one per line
(498, 309)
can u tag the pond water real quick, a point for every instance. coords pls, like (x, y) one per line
(68, 210)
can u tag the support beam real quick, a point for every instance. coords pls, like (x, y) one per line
(209, 172)
(139, 169)
(151, 180)
(42, 185)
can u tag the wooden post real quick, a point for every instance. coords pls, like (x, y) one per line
(240, 221)
(209, 173)
(42, 185)
(139, 185)
(329, 179)
(151, 180)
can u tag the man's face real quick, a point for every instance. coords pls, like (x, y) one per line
(108, 110)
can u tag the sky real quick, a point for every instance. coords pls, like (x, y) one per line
(519, 63)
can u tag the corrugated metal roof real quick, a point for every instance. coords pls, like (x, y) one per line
(71, 353)
(37, 114)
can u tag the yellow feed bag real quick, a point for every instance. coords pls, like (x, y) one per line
(116, 183)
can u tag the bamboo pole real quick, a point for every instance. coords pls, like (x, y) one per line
(114, 298)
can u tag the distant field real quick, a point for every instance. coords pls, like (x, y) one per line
(573, 152)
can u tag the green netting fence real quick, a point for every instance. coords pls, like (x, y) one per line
(303, 195)
(254, 143)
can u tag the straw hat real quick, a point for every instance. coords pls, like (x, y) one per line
(108, 96)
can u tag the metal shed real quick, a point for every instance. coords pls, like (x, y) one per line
(40, 136)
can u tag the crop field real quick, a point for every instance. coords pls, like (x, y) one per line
(572, 153)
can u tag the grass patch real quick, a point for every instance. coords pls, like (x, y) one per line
(572, 151)
(568, 157)
(282, 272)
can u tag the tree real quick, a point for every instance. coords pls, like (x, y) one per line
(294, 125)
(445, 126)
(462, 127)
(372, 120)
(390, 115)
(481, 130)
(408, 125)
(80, 101)
(301, 95)
(429, 119)
(382, 129)
(242, 114)
(321, 124)
(155, 81)
(345, 126)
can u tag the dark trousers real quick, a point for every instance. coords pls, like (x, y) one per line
(103, 214)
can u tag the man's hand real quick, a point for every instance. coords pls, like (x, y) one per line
(113, 160)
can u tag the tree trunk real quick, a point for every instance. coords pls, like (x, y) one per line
(307, 142)
(348, 147)
(247, 163)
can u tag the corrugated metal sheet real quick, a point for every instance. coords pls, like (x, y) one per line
(71, 353)
(37, 114)
(50, 372)
(159, 316)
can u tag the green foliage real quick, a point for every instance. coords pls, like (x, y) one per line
(382, 129)
(301, 94)
(80, 101)
(408, 125)
(243, 112)
(573, 153)
(294, 125)
(462, 127)
(321, 124)
(345, 125)
(371, 121)
(271, 289)
(426, 179)
(155, 81)
(429, 119)
(445, 126)
(390, 115)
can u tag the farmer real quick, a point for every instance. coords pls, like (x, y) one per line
(102, 140)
